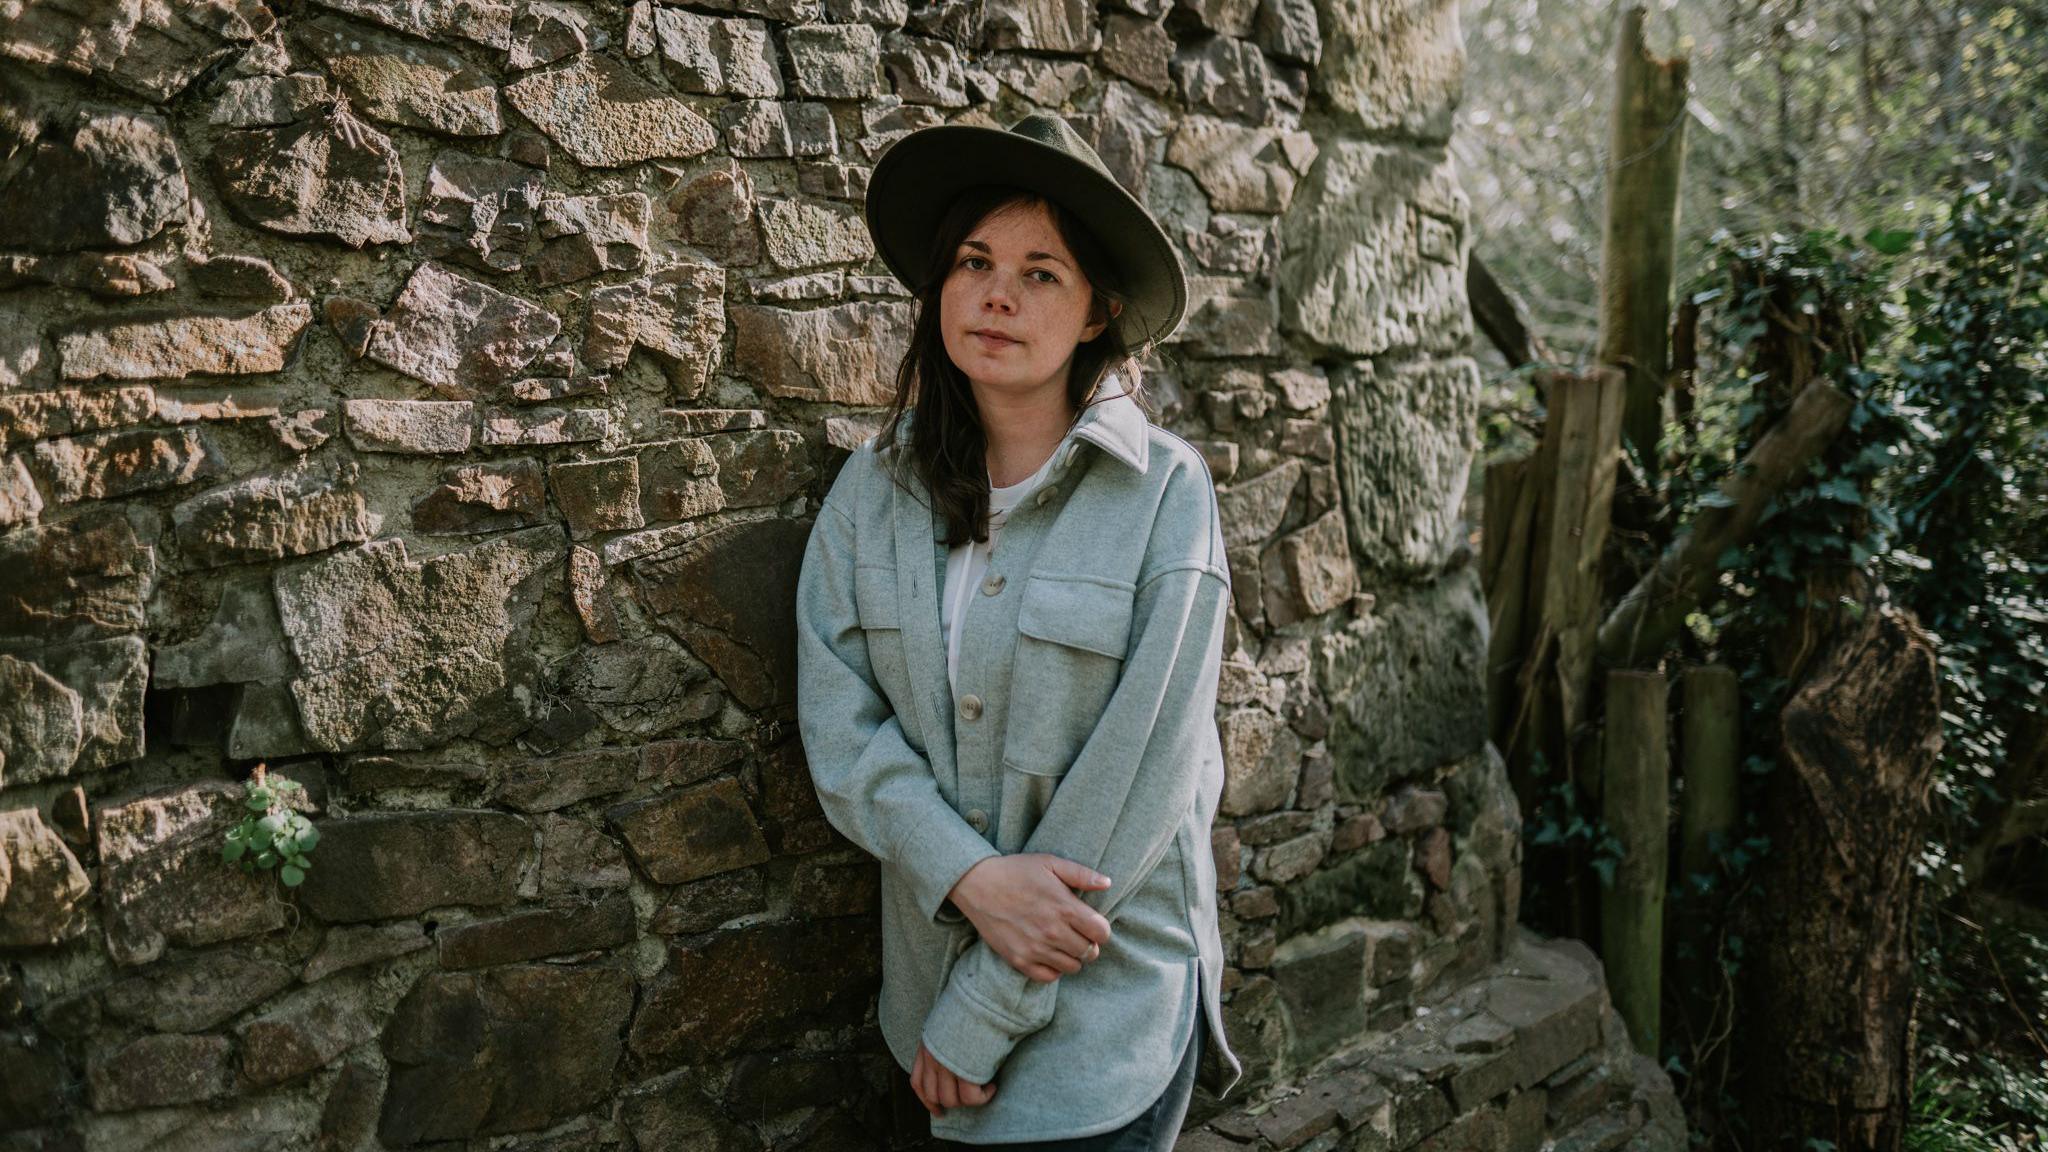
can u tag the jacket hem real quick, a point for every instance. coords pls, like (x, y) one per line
(945, 1131)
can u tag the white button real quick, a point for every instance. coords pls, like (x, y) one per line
(1045, 497)
(977, 819)
(970, 707)
(993, 584)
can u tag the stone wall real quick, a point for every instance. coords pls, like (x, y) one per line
(430, 399)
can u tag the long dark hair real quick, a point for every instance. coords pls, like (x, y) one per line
(947, 442)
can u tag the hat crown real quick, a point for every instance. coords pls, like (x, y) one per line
(1054, 132)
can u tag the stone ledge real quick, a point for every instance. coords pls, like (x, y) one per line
(1528, 1055)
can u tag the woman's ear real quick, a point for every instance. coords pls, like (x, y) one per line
(1095, 328)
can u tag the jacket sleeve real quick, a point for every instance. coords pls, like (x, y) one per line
(1117, 808)
(875, 788)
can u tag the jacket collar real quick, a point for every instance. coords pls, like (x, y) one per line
(1112, 421)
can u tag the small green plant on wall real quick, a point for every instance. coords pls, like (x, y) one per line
(271, 835)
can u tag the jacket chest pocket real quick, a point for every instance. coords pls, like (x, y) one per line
(881, 622)
(1072, 636)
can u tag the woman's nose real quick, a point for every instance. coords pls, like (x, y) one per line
(998, 295)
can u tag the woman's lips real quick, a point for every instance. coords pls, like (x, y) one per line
(992, 343)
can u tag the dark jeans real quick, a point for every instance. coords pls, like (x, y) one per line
(1152, 1130)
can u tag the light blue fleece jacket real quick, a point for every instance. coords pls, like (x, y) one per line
(1082, 723)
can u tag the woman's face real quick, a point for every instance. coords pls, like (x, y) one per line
(1015, 304)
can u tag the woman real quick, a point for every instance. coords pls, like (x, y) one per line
(1010, 623)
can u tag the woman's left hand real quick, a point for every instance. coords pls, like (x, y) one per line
(938, 1088)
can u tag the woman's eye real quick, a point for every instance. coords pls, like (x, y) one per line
(1049, 277)
(973, 261)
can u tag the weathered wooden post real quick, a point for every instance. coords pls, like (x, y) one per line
(1646, 155)
(1710, 751)
(1635, 803)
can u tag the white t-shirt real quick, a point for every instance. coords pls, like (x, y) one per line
(966, 563)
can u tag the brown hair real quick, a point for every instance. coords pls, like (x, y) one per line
(947, 442)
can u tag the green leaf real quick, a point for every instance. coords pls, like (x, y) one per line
(233, 850)
(257, 804)
(1890, 242)
(291, 875)
(309, 839)
(266, 860)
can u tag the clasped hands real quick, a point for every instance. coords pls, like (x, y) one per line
(1025, 908)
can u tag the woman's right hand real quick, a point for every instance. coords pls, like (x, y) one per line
(1026, 911)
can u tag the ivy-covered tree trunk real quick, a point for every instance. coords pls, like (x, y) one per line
(1829, 1001)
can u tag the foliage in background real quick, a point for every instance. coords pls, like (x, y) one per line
(1936, 488)
(1838, 115)
(1826, 142)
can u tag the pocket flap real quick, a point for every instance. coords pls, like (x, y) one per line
(874, 597)
(1079, 612)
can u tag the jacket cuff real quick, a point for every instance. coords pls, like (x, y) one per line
(934, 856)
(969, 1036)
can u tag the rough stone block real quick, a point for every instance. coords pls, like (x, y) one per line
(1404, 450)
(598, 495)
(102, 178)
(42, 888)
(717, 56)
(678, 314)
(404, 82)
(766, 129)
(352, 946)
(473, 499)
(923, 70)
(328, 175)
(605, 116)
(174, 345)
(539, 426)
(546, 785)
(757, 987)
(401, 654)
(158, 1071)
(730, 596)
(536, 933)
(28, 416)
(385, 865)
(805, 235)
(576, 858)
(418, 427)
(1322, 980)
(1395, 68)
(583, 236)
(479, 211)
(1254, 778)
(1309, 572)
(303, 1035)
(715, 213)
(835, 61)
(463, 337)
(511, 1049)
(1405, 685)
(687, 835)
(161, 879)
(1375, 252)
(1376, 882)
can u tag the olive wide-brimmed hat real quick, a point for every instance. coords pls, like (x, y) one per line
(917, 179)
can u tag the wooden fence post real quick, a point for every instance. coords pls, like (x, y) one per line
(1646, 154)
(1635, 803)
(1710, 749)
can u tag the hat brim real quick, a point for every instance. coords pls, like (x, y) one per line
(919, 176)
